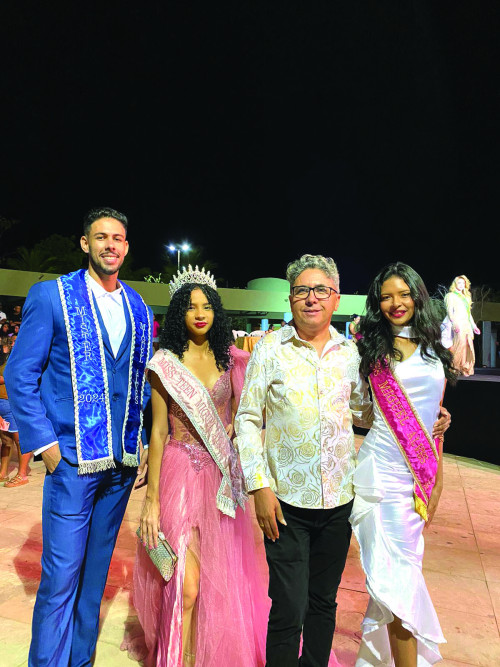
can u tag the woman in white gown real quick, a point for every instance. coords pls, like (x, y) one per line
(398, 480)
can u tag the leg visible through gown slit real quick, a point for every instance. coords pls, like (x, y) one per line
(191, 588)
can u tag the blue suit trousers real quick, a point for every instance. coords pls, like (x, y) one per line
(81, 517)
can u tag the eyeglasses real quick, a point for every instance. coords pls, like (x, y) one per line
(321, 292)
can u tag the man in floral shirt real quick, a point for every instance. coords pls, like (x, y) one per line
(306, 377)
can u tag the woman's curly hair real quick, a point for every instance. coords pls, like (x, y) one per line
(377, 342)
(174, 335)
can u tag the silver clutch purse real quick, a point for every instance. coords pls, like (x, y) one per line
(163, 556)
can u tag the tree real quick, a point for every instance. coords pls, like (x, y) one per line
(484, 293)
(31, 259)
(66, 250)
(55, 254)
(5, 225)
(127, 272)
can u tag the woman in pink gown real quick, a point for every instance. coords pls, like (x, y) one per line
(214, 610)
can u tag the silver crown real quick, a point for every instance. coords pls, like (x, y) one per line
(190, 275)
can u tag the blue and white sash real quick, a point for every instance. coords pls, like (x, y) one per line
(93, 432)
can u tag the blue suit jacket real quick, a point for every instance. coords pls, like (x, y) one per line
(38, 376)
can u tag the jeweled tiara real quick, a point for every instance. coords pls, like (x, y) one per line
(190, 275)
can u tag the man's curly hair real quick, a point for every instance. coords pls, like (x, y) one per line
(174, 335)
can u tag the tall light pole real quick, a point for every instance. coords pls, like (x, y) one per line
(184, 247)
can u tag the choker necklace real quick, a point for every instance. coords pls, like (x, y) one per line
(403, 331)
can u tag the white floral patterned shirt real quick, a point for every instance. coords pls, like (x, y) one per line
(308, 456)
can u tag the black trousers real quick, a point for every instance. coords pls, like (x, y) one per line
(305, 568)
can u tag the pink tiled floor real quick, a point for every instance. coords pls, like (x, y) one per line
(462, 567)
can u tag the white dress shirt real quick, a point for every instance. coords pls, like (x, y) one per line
(110, 306)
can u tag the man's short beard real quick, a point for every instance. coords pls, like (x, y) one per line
(105, 270)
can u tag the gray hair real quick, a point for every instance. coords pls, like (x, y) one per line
(325, 264)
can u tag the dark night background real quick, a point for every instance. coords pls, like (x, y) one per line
(368, 131)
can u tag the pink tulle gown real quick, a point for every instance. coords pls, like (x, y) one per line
(232, 607)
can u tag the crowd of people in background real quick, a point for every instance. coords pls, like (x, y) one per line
(9, 435)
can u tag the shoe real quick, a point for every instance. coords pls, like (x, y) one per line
(4, 479)
(16, 481)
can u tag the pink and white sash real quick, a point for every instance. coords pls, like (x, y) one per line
(195, 401)
(414, 441)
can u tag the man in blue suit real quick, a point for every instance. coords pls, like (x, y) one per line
(76, 383)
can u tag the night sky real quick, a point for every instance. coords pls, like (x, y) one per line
(368, 131)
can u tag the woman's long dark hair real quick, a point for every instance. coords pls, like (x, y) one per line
(377, 343)
(174, 336)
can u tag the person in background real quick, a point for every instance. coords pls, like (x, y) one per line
(156, 332)
(354, 324)
(9, 433)
(458, 304)
(16, 314)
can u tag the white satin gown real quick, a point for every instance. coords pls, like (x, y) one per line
(389, 530)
